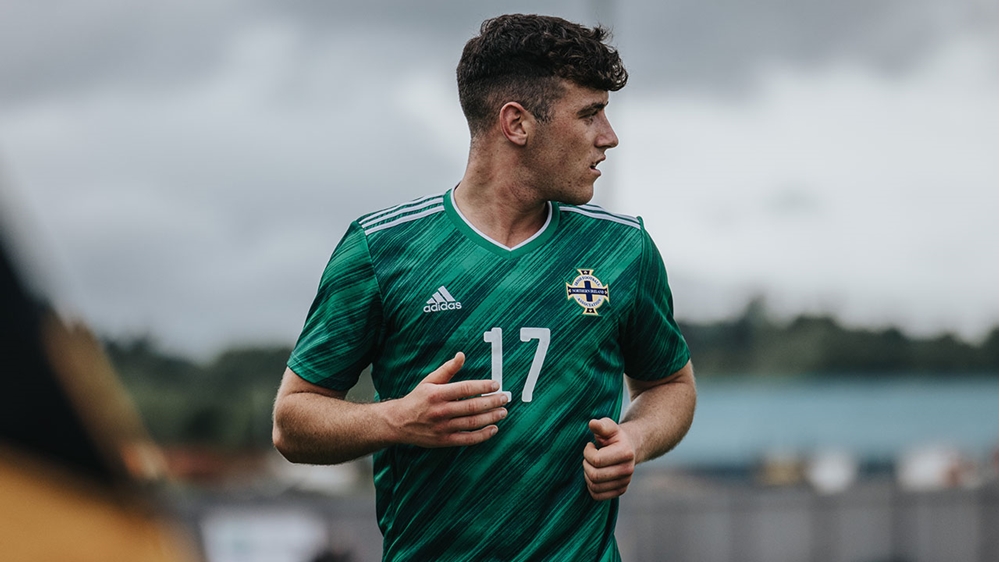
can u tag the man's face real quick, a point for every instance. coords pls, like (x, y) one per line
(569, 146)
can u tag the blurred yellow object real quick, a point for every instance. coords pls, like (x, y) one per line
(48, 514)
(75, 460)
(103, 406)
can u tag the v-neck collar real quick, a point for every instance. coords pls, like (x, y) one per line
(474, 234)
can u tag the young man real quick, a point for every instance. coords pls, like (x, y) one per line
(499, 319)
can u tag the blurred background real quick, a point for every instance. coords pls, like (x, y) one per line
(821, 179)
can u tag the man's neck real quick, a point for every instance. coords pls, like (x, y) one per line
(508, 213)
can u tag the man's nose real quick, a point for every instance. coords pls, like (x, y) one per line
(607, 138)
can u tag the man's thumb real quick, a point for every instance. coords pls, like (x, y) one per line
(443, 374)
(604, 427)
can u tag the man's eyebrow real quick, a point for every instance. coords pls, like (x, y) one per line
(592, 108)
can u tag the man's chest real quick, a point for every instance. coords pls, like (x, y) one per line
(470, 290)
(517, 321)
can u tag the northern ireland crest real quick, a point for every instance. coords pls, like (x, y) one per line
(587, 291)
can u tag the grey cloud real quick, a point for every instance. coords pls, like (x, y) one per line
(224, 182)
(792, 201)
(47, 51)
(719, 45)
(56, 51)
(706, 45)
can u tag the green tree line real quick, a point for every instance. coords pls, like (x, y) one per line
(226, 402)
(819, 345)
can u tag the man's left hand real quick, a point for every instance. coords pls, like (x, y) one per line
(609, 461)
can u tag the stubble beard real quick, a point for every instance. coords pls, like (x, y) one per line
(574, 194)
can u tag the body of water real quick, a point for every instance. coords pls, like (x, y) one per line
(741, 419)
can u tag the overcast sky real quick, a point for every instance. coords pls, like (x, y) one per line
(184, 169)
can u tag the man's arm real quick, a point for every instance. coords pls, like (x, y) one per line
(657, 418)
(316, 425)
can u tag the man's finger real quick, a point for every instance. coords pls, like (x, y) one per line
(607, 456)
(601, 496)
(466, 438)
(468, 389)
(465, 415)
(609, 472)
(472, 423)
(601, 487)
(474, 406)
(445, 372)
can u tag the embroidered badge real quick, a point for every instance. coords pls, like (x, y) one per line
(587, 291)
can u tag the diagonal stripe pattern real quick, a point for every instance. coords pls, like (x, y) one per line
(520, 495)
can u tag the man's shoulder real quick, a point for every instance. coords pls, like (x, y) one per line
(403, 213)
(595, 216)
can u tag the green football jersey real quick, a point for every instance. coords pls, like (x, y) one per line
(556, 320)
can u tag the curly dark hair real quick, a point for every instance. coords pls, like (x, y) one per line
(523, 58)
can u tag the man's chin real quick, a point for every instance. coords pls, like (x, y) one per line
(580, 198)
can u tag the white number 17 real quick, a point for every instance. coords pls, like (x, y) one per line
(494, 337)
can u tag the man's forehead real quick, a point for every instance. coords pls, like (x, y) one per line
(581, 96)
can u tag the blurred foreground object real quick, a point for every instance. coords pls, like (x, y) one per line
(74, 457)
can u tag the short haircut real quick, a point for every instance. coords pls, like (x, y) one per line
(523, 58)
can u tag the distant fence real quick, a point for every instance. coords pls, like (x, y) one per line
(871, 522)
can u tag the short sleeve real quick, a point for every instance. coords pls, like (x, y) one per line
(653, 345)
(342, 329)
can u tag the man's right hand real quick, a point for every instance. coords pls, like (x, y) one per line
(439, 413)
(316, 425)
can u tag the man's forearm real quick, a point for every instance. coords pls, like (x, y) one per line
(660, 415)
(315, 429)
(316, 425)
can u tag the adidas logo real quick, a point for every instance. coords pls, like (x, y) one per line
(442, 300)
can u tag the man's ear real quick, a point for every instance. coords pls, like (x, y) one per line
(516, 123)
